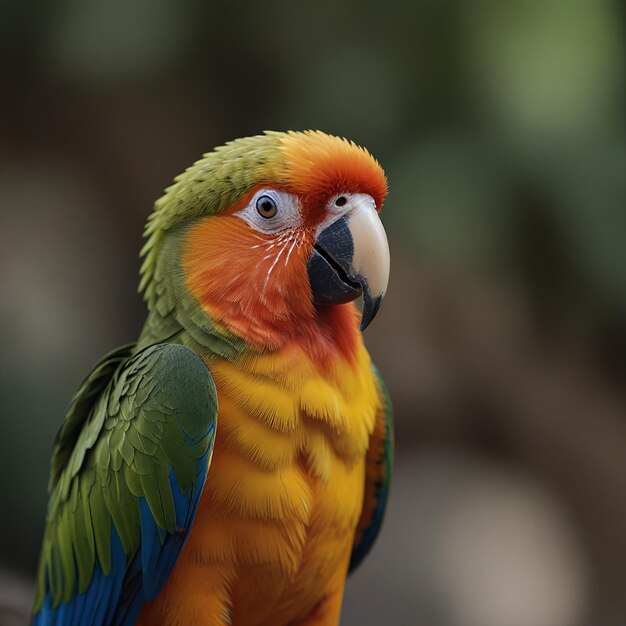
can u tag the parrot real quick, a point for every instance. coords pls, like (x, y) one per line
(232, 466)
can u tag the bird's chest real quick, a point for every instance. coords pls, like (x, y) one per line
(285, 488)
(271, 494)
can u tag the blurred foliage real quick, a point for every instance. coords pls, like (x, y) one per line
(502, 128)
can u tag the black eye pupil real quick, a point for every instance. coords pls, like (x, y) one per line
(341, 200)
(266, 207)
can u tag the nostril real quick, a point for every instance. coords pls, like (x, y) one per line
(341, 200)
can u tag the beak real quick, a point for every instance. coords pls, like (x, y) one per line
(351, 258)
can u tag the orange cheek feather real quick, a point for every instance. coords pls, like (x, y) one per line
(257, 286)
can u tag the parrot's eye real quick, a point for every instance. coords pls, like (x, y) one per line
(266, 207)
(341, 200)
(270, 211)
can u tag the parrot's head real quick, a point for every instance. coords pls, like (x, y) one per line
(271, 236)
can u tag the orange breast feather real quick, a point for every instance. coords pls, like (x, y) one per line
(275, 527)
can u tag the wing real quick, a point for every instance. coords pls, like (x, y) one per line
(128, 470)
(379, 463)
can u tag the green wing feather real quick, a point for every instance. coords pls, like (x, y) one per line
(139, 430)
(79, 409)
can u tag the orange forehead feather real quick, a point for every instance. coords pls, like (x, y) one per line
(318, 164)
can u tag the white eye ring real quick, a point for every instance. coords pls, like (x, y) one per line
(271, 211)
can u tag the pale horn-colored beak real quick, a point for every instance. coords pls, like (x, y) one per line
(351, 258)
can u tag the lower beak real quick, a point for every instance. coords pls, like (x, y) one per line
(351, 258)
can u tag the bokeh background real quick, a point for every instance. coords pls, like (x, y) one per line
(503, 337)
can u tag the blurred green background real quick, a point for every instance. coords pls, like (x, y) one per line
(501, 126)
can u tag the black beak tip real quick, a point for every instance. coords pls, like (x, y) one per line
(370, 308)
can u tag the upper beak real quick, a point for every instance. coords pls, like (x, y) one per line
(351, 258)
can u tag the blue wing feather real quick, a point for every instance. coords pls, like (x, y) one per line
(103, 603)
